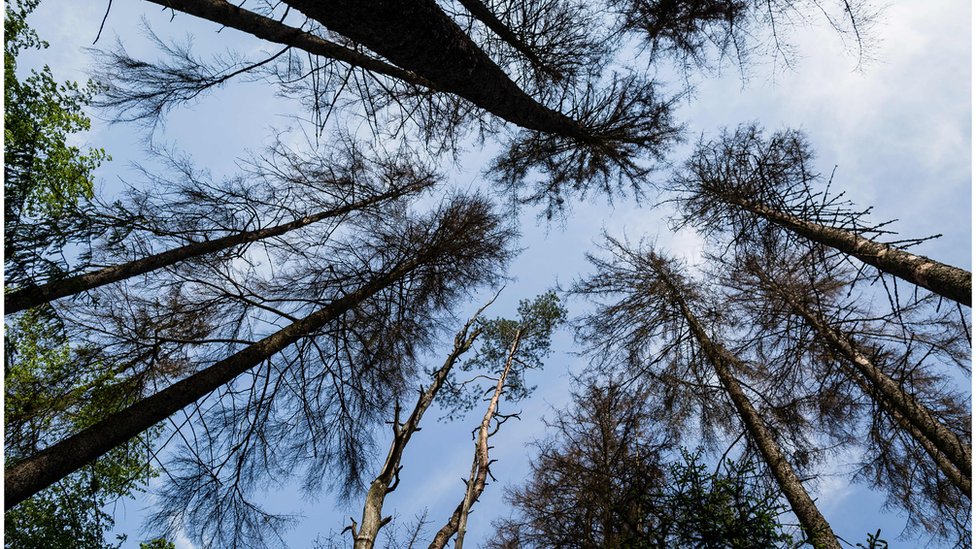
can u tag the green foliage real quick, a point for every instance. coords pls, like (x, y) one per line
(157, 544)
(53, 389)
(874, 541)
(721, 509)
(42, 173)
(537, 319)
(50, 393)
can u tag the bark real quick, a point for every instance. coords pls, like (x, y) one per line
(31, 475)
(905, 405)
(229, 15)
(33, 296)
(945, 280)
(457, 524)
(814, 524)
(365, 536)
(418, 36)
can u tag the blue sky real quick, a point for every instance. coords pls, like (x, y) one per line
(898, 128)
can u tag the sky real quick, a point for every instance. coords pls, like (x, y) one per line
(897, 127)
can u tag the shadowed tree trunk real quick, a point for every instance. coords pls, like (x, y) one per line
(481, 12)
(462, 235)
(364, 535)
(33, 296)
(230, 15)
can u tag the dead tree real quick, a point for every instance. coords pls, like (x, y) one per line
(657, 302)
(509, 348)
(364, 534)
(438, 255)
(746, 185)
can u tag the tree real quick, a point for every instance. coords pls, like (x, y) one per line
(509, 348)
(601, 478)
(657, 302)
(352, 186)
(601, 125)
(868, 376)
(435, 258)
(364, 534)
(747, 185)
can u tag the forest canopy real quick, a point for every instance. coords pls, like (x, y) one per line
(507, 244)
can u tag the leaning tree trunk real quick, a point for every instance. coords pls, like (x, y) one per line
(957, 477)
(481, 12)
(814, 524)
(945, 280)
(458, 522)
(25, 478)
(364, 535)
(905, 405)
(418, 36)
(33, 296)
(231, 15)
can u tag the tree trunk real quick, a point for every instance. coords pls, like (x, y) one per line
(945, 280)
(33, 296)
(960, 480)
(418, 36)
(385, 482)
(893, 397)
(458, 522)
(481, 12)
(814, 524)
(230, 15)
(31, 475)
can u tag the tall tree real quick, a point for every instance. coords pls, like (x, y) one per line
(352, 188)
(364, 534)
(432, 259)
(656, 301)
(509, 349)
(745, 184)
(878, 385)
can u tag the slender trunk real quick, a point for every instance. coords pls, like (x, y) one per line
(365, 536)
(33, 296)
(418, 36)
(946, 441)
(458, 522)
(230, 15)
(960, 480)
(945, 280)
(31, 475)
(814, 524)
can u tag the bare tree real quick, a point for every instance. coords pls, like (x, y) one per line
(364, 534)
(509, 348)
(748, 185)
(431, 260)
(601, 478)
(657, 302)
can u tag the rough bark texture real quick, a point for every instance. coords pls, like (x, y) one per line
(457, 524)
(230, 15)
(945, 280)
(33, 296)
(418, 36)
(814, 524)
(29, 476)
(946, 441)
(364, 537)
